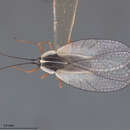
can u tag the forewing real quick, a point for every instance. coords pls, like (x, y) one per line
(102, 65)
(98, 55)
(92, 47)
(64, 12)
(96, 81)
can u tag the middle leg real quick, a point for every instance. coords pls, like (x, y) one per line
(60, 82)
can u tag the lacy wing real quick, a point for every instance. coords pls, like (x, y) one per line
(98, 55)
(96, 81)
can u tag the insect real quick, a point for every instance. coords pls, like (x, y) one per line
(94, 65)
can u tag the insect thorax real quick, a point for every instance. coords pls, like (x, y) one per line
(51, 62)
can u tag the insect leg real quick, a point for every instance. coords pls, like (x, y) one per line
(34, 43)
(44, 75)
(41, 47)
(60, 82)
(26, 42)
(44, 42)
(68, 41)
(39, 44)
(26, 71)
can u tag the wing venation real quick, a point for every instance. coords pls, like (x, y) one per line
(95, 81)
(102, 65)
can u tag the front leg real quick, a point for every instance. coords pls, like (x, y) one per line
(39, 44)
(26, 71)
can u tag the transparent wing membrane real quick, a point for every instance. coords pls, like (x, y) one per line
(64, 12)
(92, 47)
(102, 65)
(98, 55)
(107, 62)
(95, 81)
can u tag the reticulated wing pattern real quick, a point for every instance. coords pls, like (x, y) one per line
(100, 55)
(95, 81)
(102, 65)
(92, 47)
(106, 62)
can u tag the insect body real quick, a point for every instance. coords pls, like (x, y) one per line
(94, 65)
(51, 62)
